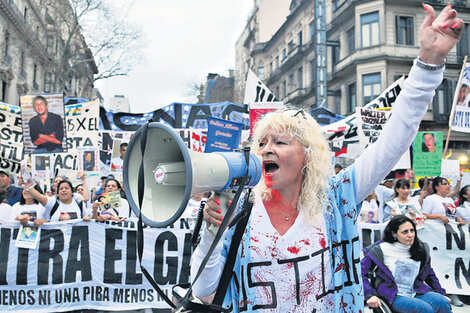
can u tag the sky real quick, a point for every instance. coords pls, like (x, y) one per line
(184, 41)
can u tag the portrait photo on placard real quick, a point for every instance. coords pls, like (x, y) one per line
(43, 124)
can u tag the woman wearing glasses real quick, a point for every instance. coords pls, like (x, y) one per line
(300, 250)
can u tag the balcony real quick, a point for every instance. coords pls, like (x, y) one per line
(454, 3)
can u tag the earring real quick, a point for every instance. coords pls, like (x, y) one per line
(395, 238)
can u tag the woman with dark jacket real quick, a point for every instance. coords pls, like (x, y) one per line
(398, 269)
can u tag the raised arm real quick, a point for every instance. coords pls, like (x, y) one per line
(32, 191)
(438, 35)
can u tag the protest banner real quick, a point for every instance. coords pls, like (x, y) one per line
(41, 165)
(176, 115)
(343, 136)
(449, 245)
(223, 135)
(256, 90)
(91, 265)
(11, 138)
(43, 135)
(82, 132)
(427, 153)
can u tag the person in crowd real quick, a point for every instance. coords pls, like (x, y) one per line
(81, 190)
(425, 188)
(429, 142)
(338, 168)
(398, 270)
(370, 209)
(299, 213)
(108, 213)
(29, 209)
(12, 193)
(463, 211)
(63, 206)
(124, 211)
(118, 162)
(5, 209)
(101, 185)
(439, 205)
(384, 193)
(46, 128)
(402, 203)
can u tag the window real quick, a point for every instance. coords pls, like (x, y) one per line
(335, 54)
(35, 73)
(405, 30)
(352, 98)
(351, 33)
(299, 38)
(271, 68)
(261, 72)
(277, 62)
(291, 83)
(49, 44)
(7, 42)
(284, 89)
(277, 92)
(4, 91)
(370, 29)
(284, 53)
(312, 31)
(48, 82)
(370, 87)
(335, 4)
(25, 13)
(463, 44)
(300, 78)
(442, 101)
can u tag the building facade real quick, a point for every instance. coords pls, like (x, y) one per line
(32, 45)
(371, 43)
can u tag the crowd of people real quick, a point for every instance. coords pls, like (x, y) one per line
(29, 203)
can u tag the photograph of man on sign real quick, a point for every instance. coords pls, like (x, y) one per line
(46, 128)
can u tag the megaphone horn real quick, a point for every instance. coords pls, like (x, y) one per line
(173, 174)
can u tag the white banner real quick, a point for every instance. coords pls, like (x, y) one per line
(256, 91)
(91, 265)
(449, 246)
(462, 119)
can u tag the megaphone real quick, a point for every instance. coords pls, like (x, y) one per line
(173, 174)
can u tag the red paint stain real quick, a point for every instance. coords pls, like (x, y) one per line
(293, 249)
(305, 242)
(322, 242)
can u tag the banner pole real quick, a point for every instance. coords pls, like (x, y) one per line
(454, 103)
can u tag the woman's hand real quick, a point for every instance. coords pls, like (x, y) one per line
(438, 35)
(374, 302)
(212, 212)
(444, 219)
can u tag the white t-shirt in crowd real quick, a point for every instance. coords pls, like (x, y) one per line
(435, 204)
(71, 208)
(117, 164)
(463, 211)
(35, 210)
(6, 213)
(384, 194)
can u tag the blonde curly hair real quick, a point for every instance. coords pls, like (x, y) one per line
(301, 126)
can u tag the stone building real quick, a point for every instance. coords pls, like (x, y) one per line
(217, 88)
(371, 43)
(36, 55)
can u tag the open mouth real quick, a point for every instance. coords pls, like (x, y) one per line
(270, 167)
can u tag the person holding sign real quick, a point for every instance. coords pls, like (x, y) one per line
(439, 205)
(300, 249)
(29, 209)
(463, 210)
(46, 128)
(398, 270)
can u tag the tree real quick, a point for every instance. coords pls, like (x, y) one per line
(90, 40)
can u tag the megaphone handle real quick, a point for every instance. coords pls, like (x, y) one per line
(224, 197)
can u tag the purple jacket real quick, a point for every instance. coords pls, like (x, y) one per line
(379, 281)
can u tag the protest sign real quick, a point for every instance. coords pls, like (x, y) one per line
(198, 140)
(257, 109)
(110, 200)
(41, 165)
(82, 265)
(28, 237)
(256, 91)
(450, 169)
(370, 123)
(44, 128)
(176, 115)
(11, 138)
(120, 142)
(462, 118)
(223, 135)
(449, 245)
(427, 153)
(88, 160)
(343, 134)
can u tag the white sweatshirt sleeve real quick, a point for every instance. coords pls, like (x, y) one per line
(209, 280)
(399, 132)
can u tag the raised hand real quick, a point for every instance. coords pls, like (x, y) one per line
(438, 35)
